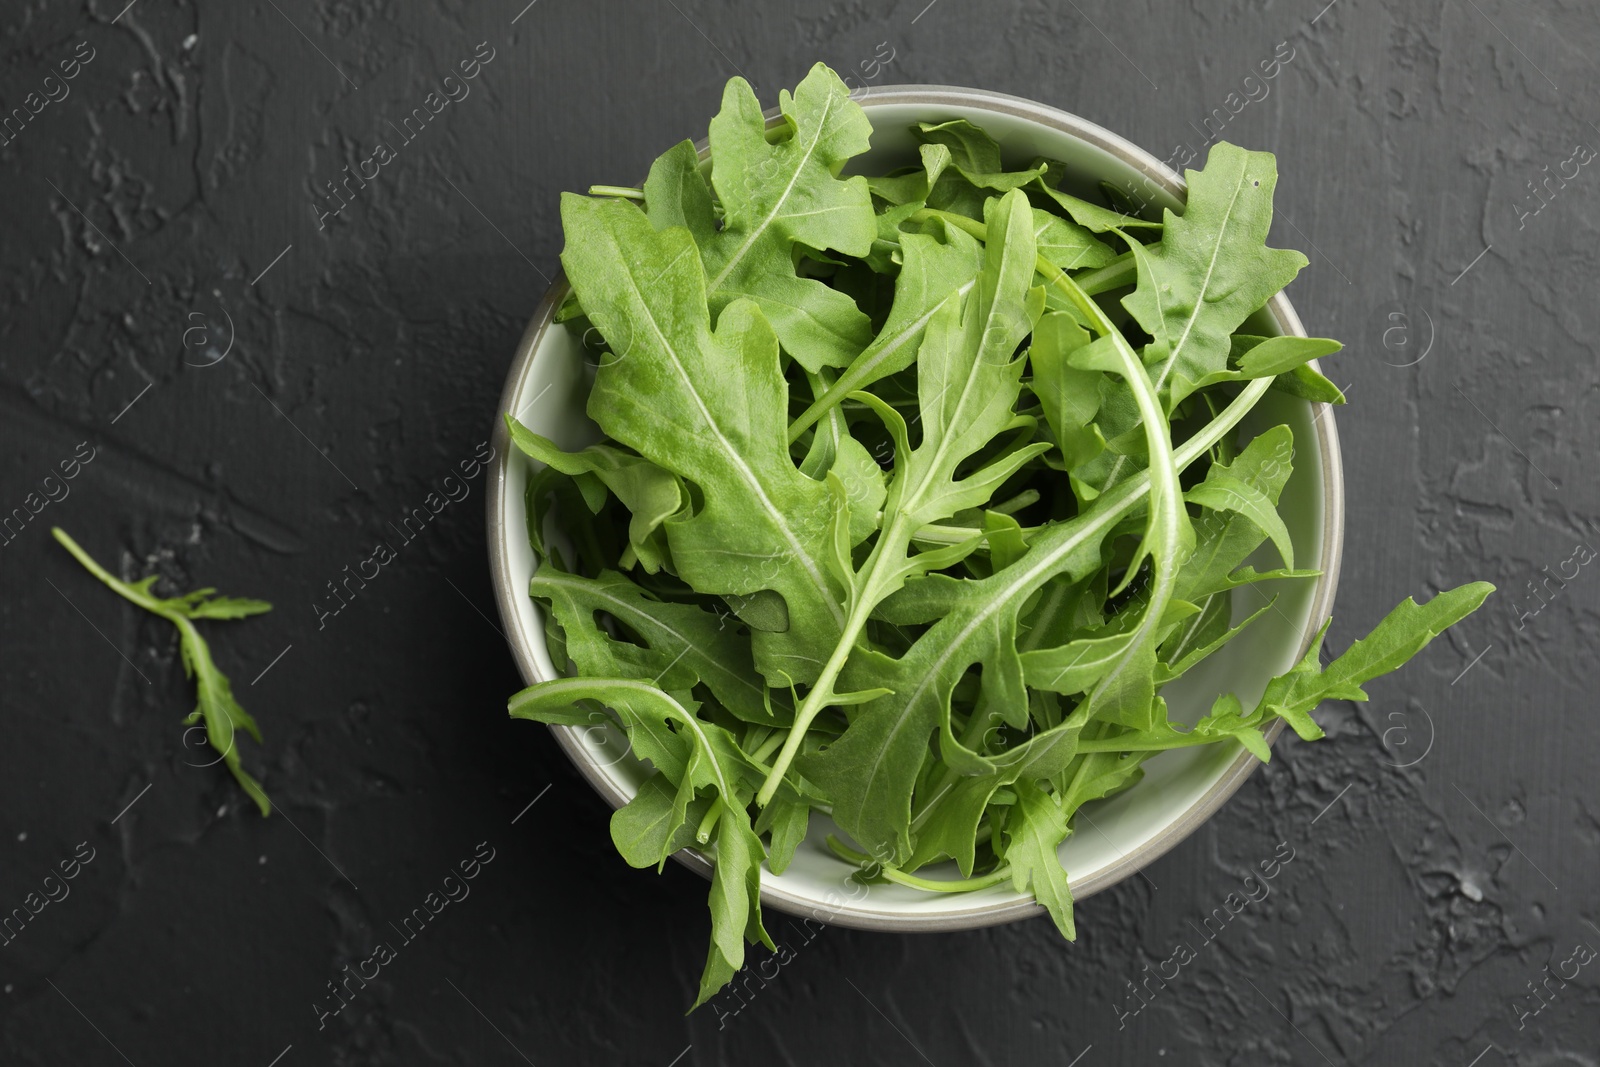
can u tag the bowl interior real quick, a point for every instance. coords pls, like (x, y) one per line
(548, 389)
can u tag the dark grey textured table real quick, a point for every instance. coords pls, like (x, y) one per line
(263, 374)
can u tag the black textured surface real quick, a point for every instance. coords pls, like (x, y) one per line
(155, 193)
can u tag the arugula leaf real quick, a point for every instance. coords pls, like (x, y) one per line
(699, 757)
(650, 494)
(1077, 665)
(648, 829)
(1401, 634)
(1069, 397)
(931, 269)
(1210, 270)
(780, 195)
(708, 406)
(1199, 640)
(676, 193)
(216, 708)
(1090, 216)
(870, 773)
(1034, 832)
(1243, 487)
(683, 644)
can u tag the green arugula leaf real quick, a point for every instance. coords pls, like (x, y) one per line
(870, 772)
(1090, 216)
(651, 494)
(699, 757)
(1199, 637)
(677, 194)
(779, 195)
(1292, 696)
(710, 407)
(932, 269)
(1077, 665)
(683, 644)
(1244, 487)
(1210, 270)
(648, 829)
(1226, 537)
(216, 708)
(1034, 832)
(1401, 634)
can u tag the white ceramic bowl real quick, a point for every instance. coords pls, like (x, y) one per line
(547, 389)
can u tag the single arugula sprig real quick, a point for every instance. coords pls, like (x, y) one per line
(217, 708)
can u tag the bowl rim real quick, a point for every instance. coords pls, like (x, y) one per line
(852, 914)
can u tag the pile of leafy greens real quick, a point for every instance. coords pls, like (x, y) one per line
(915, 491)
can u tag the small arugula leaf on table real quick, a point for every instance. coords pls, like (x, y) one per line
(216, 708)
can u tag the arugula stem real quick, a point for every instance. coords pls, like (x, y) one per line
(620, 191)
(812, 706)
(931, 885)
(1086, 764)
(765, 750)
(1123, 744)
(1016, 503)
(1114, 275)
(120, 587)
(822, 692)
(846, 853)
(703, 833)
(952, 885)
(938, 534)
(1126, 743)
